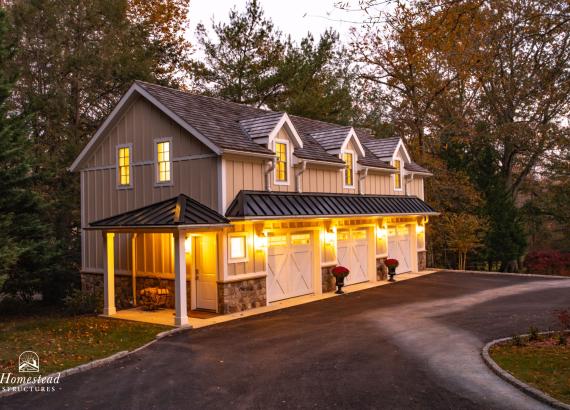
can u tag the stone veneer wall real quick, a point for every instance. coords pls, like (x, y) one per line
(422, 260)
(93, 283)
(241, 295)
(381, 269)
(328, 280)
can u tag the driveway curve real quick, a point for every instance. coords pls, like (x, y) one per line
(411, 345)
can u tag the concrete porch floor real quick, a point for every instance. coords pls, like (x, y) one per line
(166, 316)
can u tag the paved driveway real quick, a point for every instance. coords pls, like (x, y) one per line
(414, 344)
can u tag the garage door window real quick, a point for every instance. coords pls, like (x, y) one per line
(301, 239)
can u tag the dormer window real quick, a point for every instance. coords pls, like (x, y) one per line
(281, 162)
(348, 159)
(398, 175)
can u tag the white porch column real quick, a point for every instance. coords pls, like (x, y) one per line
(180, 301)
(109, 274)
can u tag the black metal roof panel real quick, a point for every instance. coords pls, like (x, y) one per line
(263, 204)
(180, 210)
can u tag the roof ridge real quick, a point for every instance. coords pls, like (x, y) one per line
(195, 94)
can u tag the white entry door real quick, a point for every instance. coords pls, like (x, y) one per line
(352, 253)
(399, 247)
(289, 266)
(206, 268)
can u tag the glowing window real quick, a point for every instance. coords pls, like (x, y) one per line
(124, 159)
(301, 239)
(238, 248)
(163, 161)
(348, 171)
(398, 175)
(281, 164)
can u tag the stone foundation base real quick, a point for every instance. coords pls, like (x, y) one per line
(328, 280)
(381, 269)
(93, 283)
(422, 260)
(241, 295)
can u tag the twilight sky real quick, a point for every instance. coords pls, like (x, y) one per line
(295, 17)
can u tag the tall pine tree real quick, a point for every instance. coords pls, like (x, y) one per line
(24, 239)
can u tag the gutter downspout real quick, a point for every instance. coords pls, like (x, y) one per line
(409, 180)
(298, 174)
(270, 167)
(363, 174)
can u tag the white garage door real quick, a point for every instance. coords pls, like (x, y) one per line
(290, 261)
(352, 252)
(399, 247)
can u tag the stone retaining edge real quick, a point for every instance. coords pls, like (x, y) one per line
(101, 362)
(509, 378)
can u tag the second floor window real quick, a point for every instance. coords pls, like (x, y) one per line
(124, 171)
(281, 164)
(398, 174)
(349, 170)
(163, 161)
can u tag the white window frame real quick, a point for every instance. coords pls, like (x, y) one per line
(344, 185)
(237, 235)
(118, 173)
(157, 181)
(401, 174)
(289, 156)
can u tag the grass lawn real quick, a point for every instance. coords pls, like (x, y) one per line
(542, 364)
(62, 342)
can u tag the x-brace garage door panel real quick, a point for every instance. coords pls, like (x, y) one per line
(352, 252)
(290, 261)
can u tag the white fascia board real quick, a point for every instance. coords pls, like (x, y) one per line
(285, 120)
(359, 148)
(403, 146)
(135, 88)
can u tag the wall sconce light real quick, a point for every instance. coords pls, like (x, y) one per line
(260, 242)
(188, 244)
(420, 229)
(330, 236)
(381, 232)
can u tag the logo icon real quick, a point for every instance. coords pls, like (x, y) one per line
(29, 362)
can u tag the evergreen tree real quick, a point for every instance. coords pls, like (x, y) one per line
(25, 248)
(241, 63)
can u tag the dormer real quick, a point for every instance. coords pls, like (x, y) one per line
(344, 143)
(276, 132)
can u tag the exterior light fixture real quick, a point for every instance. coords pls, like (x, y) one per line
(260, 242)
(420, 229)
(330, 236)
(188, 244)
(381, 232)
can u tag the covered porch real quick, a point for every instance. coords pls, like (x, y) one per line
(191, 232)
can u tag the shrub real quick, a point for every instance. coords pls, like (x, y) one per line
(562, 339)
(81, 303)
(548, 263)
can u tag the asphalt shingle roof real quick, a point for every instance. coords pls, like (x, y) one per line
(235, 126)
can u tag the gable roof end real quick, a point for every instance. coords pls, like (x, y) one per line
(263, 129)
(135, 89)
(335, 140)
